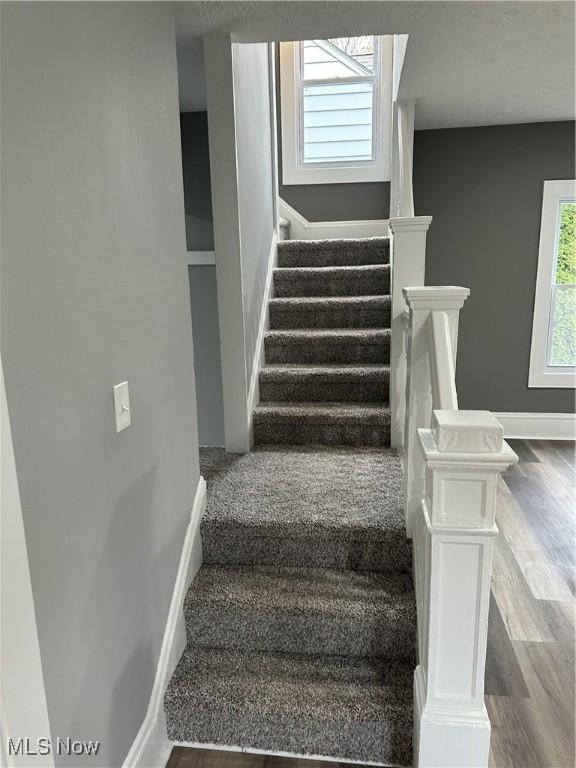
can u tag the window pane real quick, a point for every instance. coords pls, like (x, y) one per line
(562, 347)
(338, 122)
(359, 48)
(566, 252)
(562, 339)
(345, 57)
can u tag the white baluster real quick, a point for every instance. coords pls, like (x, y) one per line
(408, 256)
(454, 532)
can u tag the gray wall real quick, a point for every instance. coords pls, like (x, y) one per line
(331, 202)
(95, 291)
(483, 186)
(197, 189)
(207, 362)
(255, 180)
(203, 296)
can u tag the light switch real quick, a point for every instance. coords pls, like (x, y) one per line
(122, 406)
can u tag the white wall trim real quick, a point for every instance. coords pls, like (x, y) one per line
(152, 746)
(227, 238)
(302, 229)
(200, 258)
(538, 426)
(272, 84)
(263, 325)
(541, 374)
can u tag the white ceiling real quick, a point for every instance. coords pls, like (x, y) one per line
(467, 63)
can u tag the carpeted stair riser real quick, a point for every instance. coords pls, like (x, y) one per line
(330, 312)
(346, 424)
(333, 253)
(333, 281)
(328, 383)
(355, 548)
(360, 346)
(304, 611)
(354, 709)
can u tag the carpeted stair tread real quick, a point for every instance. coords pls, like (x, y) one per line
(328, 345)
(294, 382)
(318, 507)
(366, 280)
(302, 610)
(333, 253)
(330, 312)
(350, 708)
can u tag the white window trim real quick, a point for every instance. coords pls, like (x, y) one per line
(540, 374)
(292, 171)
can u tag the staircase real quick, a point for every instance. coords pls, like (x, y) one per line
(301, 622)
(327, 373)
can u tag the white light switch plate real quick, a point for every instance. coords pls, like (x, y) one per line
(122, 406)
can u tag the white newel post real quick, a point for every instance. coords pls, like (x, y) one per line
(408, 256)
(422, 301)
(454, 534)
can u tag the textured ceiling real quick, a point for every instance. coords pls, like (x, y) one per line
(468, 63)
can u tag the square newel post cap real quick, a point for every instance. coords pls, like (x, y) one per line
(434, 297)
(401, 224)
(467, 432)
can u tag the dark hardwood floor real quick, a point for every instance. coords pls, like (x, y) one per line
(531, 638)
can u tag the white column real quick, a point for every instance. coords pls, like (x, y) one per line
(408, 258)
(401, 183)
(422, 301)
(454, 533)
(227, 240)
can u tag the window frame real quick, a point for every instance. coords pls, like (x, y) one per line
(294, 171)
(542, 375)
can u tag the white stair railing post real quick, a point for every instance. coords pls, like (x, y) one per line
(454, 534)
(422, 302)
(408, 258)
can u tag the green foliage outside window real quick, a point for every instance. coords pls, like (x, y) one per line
(563, 341)
(566, 261)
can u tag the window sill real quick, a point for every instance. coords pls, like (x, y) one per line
(551, 380)
(335, 175)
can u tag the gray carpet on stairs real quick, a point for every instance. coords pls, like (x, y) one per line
(301, 621)
(328, 345)
(347, 424)
(334, 253)
(327, 350)
(316, 383)
(302, 610)
(330, 312)
(328, 507)
(348, 707)
(367, 280)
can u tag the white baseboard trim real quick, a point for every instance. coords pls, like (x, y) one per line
(151, 748)
(277, 753)
(263, 325)
(538, 426)
(302, 229)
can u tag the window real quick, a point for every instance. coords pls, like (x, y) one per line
(553, 352)
(336, 110)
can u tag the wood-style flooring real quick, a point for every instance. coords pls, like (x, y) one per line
(531, 636)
